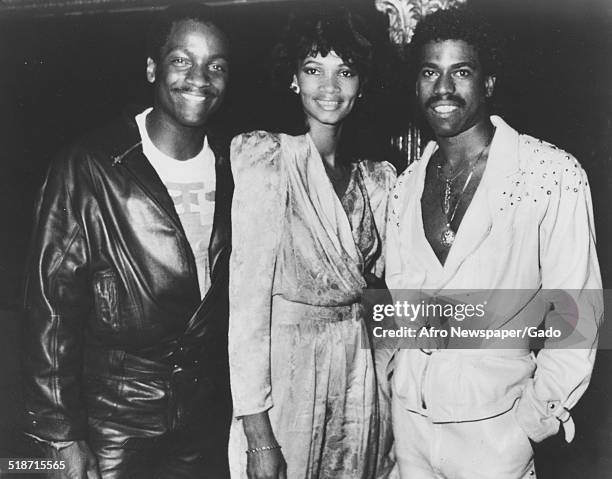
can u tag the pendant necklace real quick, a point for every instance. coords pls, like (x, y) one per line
(447, 238)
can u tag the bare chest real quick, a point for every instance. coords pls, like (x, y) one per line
(444, 204)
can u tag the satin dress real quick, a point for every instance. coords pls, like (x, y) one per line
(298, 344)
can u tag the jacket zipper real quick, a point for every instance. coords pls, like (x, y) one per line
(178, 226)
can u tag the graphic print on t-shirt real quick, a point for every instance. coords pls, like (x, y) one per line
(195, 207)
(191, 184)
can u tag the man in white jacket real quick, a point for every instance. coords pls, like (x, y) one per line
(487, 209)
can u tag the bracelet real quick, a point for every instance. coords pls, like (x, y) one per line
(262, 449)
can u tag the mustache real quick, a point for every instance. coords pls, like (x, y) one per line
(438, 98)
(196, 91)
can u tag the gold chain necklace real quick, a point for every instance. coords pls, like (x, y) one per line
(447, 238)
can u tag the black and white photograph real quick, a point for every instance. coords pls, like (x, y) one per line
(305, 239)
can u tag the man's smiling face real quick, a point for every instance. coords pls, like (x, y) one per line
(191, 74)
(451, 87)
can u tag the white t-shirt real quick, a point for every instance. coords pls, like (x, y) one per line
(191, 185)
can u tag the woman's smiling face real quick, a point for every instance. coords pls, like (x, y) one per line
(328, 88)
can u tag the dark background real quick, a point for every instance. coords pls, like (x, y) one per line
(61, 76)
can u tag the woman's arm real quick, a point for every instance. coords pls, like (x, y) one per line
(257, 219)
(257, 211)
(265, 459)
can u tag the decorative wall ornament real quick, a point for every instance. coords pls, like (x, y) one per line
(405, 14)
(403, 18)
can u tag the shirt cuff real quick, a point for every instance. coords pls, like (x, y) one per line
(541, 419)
(55, 444)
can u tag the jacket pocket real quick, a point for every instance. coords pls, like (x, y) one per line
(106, 297)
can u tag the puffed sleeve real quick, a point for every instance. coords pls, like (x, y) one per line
(572, 283)
(257, 212)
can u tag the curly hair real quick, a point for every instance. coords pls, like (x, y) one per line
(320, 33)
(165, 19)
(460, 23)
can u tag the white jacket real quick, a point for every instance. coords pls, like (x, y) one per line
(528, 227)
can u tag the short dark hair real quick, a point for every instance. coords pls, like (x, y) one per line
(319, 29)
(165, 19)
(460, 23)
(320, 32)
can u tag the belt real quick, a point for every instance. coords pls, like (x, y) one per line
(503, 353)
(121, 363)
(292, 312)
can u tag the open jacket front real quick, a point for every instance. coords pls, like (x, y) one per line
(529, 229)
(112, 274)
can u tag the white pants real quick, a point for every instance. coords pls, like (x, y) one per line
(494, 448)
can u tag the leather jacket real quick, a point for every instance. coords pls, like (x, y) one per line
(112, 277)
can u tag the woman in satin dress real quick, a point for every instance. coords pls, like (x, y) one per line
(308, 221)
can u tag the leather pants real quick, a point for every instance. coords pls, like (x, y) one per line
(150, 420)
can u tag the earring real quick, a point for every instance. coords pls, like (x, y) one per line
(295, 88)
(360, 95)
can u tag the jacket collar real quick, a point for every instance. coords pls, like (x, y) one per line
(504, 152)
(127, 137)
(502, 166)
(127, 151)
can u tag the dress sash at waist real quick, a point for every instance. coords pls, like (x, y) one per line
(291, 312)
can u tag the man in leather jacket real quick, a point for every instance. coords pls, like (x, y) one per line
(125, 367)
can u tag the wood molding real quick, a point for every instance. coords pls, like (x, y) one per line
(79, 7)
